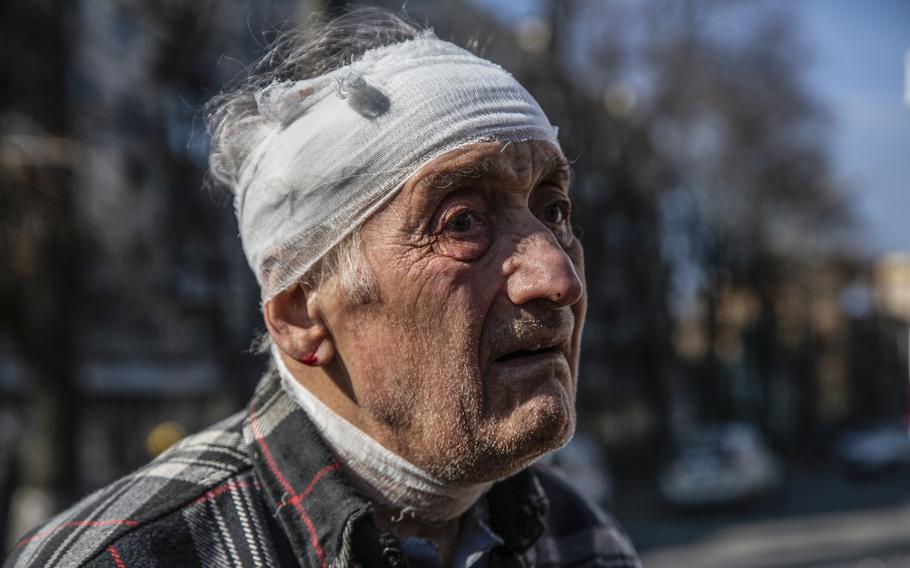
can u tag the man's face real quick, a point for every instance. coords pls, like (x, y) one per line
(466, 362)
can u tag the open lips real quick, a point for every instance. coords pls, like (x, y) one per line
(535, 352)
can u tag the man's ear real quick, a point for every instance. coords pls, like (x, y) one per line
(296, 325)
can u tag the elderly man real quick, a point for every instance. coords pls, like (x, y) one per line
(405, 207)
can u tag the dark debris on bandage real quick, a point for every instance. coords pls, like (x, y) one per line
(368, 101)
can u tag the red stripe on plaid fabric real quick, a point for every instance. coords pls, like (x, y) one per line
(105, 523)
(222, 489)
(267, 452)
(270, 460)
(319, 474)
(116, 556)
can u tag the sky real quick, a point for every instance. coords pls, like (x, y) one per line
(858, 51)
(859, 74)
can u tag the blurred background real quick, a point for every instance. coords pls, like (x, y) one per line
(742, 191)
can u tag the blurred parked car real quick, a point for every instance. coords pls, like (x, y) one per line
(720, 464)
(584, 464)
(875, 447)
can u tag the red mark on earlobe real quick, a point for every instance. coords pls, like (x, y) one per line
(309, 359)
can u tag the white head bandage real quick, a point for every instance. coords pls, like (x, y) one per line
(343, 143)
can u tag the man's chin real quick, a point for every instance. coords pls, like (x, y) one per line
(543, 423)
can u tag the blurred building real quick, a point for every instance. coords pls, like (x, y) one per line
(892, 286)
(884, 379)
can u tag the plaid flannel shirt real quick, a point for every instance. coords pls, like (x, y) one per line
(261, 488)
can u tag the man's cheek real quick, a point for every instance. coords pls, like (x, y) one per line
(576, 254)
(578, 311)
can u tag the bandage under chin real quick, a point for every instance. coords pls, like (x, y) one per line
(342, 144)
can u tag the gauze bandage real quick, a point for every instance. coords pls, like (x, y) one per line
(343, 143)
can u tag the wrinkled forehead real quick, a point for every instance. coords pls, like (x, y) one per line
(522, 164)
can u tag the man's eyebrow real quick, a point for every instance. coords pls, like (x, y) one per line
(558, 169)
(442, 181)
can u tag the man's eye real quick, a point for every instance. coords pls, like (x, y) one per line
(556, 213)
(465, 235)
(464, 222)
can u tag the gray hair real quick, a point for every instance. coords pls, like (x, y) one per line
(237, 126)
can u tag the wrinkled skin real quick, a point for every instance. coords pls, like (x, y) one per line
(474, 259)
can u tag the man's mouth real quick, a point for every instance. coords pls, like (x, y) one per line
(528, 356)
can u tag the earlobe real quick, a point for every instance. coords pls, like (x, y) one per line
(295, 323)
(320, 357)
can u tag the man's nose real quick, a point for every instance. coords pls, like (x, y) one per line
(540, 269)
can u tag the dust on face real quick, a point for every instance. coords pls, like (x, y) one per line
(468, 356)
